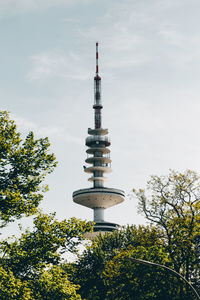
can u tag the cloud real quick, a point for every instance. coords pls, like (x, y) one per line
(8, 7)
(23, 123)
(54, 64)
(181, 48)
(141, 32)
(61, 134)
(123, 35)
(71, 20)
(53, 132)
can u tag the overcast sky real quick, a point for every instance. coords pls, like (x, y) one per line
(150, 66)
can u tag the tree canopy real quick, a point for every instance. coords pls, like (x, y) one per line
(24, 165)
(128, 279)
(33, 261)
(42, 246)
(30, 265)
(173, 203)
(107, 270)
(91, 271)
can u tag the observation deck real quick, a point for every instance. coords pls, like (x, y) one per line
(98, 197)
(98, 168)
(92, 179)
(101, 159)
(98, 149)
(97, 139)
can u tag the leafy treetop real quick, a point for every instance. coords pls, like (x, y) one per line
(173, 203)
(23, 167)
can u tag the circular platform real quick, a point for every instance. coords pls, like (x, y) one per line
(105, 226)
(101, 228)
(98, 197)
(96, 149)
(98, 168)
(97, 140)
(104, 160)
(91, 179)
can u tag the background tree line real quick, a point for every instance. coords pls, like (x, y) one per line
(32, 266)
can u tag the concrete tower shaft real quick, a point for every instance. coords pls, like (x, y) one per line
(99, 163)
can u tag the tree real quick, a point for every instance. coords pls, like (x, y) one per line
(50, 284)
(127, 279)
(173, 203)
(43, 246)
(23, 167)
(32, 262)
(92, 270)
(107, 269)
(11, 287)
(29, 265)
(53, 284)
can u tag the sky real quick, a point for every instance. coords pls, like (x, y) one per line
(149, 61)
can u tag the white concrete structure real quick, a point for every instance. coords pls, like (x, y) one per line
(98, 197)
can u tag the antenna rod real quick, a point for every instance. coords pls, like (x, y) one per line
(97, 93)
(97, 57)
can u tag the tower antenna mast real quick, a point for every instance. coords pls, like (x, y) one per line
(97, 58)
(97, 93)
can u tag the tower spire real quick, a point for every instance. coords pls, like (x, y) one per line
(98, 157)
(97, 93)
(97, 58)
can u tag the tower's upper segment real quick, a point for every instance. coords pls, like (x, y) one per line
(98, 141)
(97, 61)
(97, 87)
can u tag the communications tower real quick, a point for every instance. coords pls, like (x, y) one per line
(98, 197)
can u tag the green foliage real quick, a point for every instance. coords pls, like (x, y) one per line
(89, 271)
(13, 288)
(53, 284)
(49, 284)
(43, 246)
(23, 167)
(129, 280)
(173, 203)
(29, 265)
(106, 270)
